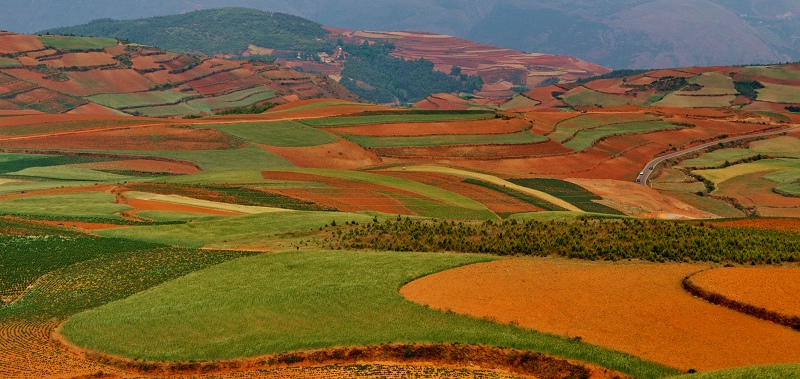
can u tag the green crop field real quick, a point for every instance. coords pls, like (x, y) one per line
(586, 138)
(718, 158)
(593, 98)
(772, 72)
(218, 177)
(785, 146)
(276, 133)
(325, 104)
(684, 100)
(180, 109)
(236, 99)
(567, 128)
(247, 158)
(455, 139)
(65, 126)
(569, 192)
(785, 371)
(169, 216)
(77, 43)
(305, 300)
(520, 101)
(720, 175)
(254, 228)
(778, 93)
(139, 99)
(71, 173)
(713, 84)
(517, 195)
(8, 62)
(78, 205)
(399, 117)
(433, 209)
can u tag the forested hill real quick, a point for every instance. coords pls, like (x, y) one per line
(215, 31)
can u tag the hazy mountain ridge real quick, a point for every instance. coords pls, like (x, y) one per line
(607, 32)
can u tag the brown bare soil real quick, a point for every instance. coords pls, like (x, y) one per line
(640, 201)
(345, 195)
(14, 43)
(340, 155)
(489, 126)
(152, 138)
(92, 108)
(154, 205)
(639, 308)
(768, 293)
(443, 101)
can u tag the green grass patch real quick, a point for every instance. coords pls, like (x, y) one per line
(785, 146)
(65, 126)
(86, 204)
(428, 208)
(720, 175)
(26, 185)
(706, 203)
(685, 100)
(71, 173)
(785, 371)
(718, 158)
(442, 140)
(277, 133)
(586, 138)
(713, 84)
(569, 192)
(180, 109)
(587, 97)
(139, 99)
(219, 177)
(516, 194)
(324, 104)
(399, 117)
(248, 158)
(77, 43)
(778, 93)
(296, 301)
(236, 99)
(169, 216)
(254, 228)
(772, 72)
(567, 128)
(8, 62)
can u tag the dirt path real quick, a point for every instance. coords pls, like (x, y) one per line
(638, 308)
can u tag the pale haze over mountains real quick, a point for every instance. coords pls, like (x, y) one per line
(614, 33)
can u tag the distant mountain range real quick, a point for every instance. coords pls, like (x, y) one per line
(613, 33)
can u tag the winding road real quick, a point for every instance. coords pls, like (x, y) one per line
(644, 174)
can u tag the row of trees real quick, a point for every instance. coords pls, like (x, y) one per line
(594, 239)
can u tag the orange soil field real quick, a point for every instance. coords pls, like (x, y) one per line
(14, 43)
(152, 138)
(345, 195)
(154, 205)
(488, 126)
(146, 62)
(545, 122)
(483, 152)
(773, 288)
(227, 81)
(339, 155)
(143, 165)
(90, 59)
(495, 201)
(58, 191)
(104, 81)
(544, 95)
(635, 307)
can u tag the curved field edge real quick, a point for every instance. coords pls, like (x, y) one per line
(296, 301)
(749, 309)
(450, 355)
(791, 370)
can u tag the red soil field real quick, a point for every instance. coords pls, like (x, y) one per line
(773, 288)
(339, 155)
(41, 119)
(488, 126)
(14, 43)
(91, 59)
(544, 95)
(545, 122)
(144, 165)
(638, 308)
(58, 191)
(345, 195)
(152, 205)
(495, 201)
(610, 86)
(93, 108)
(146, 62)
(104, 81)
(482, 152)
(151, 138)
(442, 101)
